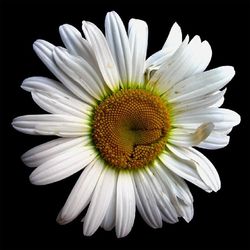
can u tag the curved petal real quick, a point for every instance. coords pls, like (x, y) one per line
(103, 54)
(81, 193)
(117, 39)
(186, 210)
(125, 204)
(185, 168)
(63, 165)
(46, 151)
(196, 165)
(182, 137)
(177, 190)
(138, 41)
(60, 125)
(100, 201)
(215, 140)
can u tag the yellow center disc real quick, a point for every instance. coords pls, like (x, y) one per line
(130, 128)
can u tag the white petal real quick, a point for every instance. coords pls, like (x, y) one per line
(44, 152)
(167, 209)
(206, 169)
(63, 165)
(58, 97)
(158, 77)
(201, 84)
(198, 164)
(108, 222)
(174, 38)
(140, 206)
(80, 71)
(177, 190)
(205, 57)
(221, 118)
(186, 210)
(154, 62)
(210, 100)
(182, 137)
(125, 204)
(173, 183)
(44, 84)
(81, 193)
(56, 104)
(103, 55)
(138, 41)
(184, 168)
(60, 125)
(100, 201)
(215, 140)
(117, 39)
(44, 50)
(145, 201)
(172, 43)
(219, 102)
(76, 44)
(189, 62)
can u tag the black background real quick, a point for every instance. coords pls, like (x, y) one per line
(28, 212)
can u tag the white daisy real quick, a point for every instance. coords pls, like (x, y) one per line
(130, 123)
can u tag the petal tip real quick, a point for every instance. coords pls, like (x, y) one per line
(176, 26)
(61, 219)
(229, 71)
(35, 180)
(87, 231)
(37, 43)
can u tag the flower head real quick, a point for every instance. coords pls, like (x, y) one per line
(128, 122)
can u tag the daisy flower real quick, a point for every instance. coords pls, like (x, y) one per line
(127, 122)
